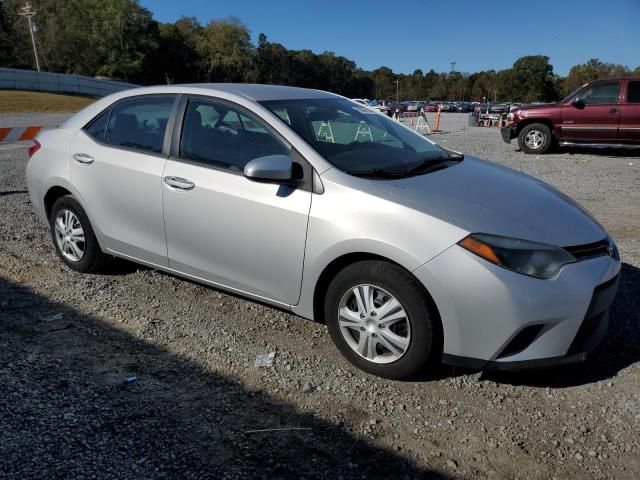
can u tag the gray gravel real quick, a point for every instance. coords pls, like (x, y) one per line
(68, 342)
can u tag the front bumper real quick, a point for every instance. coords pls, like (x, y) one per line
(485, 311)
(508, 133)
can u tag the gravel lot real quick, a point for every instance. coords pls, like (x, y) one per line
(68, 341)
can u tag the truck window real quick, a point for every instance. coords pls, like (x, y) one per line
(633, 93)
(601, 93)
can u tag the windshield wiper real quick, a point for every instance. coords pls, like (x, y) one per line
(380, 172)
(437, 163)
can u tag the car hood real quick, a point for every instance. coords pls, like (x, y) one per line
(489, 198)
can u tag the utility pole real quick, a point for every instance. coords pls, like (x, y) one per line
(397, 82)
(29, 12)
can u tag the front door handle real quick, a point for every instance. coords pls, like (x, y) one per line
(82, 158)
(613, 110)
(179, 183)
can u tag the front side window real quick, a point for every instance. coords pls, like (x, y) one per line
(140, 123)
(353, 137)
(222, 136)
(601, 93)
(633, 92)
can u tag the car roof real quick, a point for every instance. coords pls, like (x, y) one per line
(260, 92)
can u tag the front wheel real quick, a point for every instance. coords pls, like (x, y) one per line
(382, 320)
(535, 138)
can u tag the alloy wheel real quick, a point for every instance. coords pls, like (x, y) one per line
(69, 235)
(534, 139)
(374, 323)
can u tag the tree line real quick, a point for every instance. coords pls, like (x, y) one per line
(121, 40)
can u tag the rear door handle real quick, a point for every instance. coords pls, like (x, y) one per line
(82, 158)
(179, 183)
(613, 110)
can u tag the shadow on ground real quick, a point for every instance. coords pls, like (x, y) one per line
(620, 350)
(66, 412)
(601, 152)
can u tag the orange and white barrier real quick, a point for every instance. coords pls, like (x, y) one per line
(18, 134)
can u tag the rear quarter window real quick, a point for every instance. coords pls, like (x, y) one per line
(633, 93)
(140, 123)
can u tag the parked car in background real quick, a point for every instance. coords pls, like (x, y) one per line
(410, 253)
(602, 113)
(430, 107)
(372, 104)
(463, 107)
(499, 108)
(414, 106)
(445, 107)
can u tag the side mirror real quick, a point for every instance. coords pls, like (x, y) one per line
(576, 102)
(270, 168)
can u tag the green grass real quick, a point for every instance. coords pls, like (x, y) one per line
(17, 101)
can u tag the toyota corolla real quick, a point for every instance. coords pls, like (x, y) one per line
(409, 252)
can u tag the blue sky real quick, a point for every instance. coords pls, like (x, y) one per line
(409, 34)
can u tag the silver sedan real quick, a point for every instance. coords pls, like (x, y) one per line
(409, 252)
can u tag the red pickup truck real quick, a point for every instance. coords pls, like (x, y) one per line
(602, 113)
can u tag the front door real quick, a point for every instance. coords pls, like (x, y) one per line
(596, 119)
(116, 166)
(222, 227)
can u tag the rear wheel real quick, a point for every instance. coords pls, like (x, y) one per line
(382, 320)
(73, 236)
(535, 138)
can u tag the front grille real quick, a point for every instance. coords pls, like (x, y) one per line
(588, 250)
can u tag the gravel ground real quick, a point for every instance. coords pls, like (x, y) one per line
(68, 341)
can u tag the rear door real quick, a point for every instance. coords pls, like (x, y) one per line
(222, 227)
(597, 120)
(116, 166)
(629, 130)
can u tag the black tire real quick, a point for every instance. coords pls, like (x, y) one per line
(538, 130)
(93, 258)
(425, 344)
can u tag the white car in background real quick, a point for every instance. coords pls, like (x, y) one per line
(372, 105)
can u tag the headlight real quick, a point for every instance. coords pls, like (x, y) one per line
(535, 259)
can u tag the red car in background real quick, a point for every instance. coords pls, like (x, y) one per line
(602, 113)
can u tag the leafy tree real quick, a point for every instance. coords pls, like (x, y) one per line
(272, 62)
(226, 51)
(532, 79)
(592, 70)
(176, 59)
(383, 86)
(7, 50)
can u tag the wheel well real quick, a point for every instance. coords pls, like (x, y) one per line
(342, 262)
(51, 196)
(529, 121)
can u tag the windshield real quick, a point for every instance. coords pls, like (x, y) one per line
(352, 137)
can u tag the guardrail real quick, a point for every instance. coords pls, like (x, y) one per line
(17, 79)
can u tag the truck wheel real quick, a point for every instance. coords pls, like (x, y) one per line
(535, 138)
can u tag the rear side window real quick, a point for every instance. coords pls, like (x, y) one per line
(98, 126)
(633, 94)
(219, 135)
(140, 124)
(601, 93)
